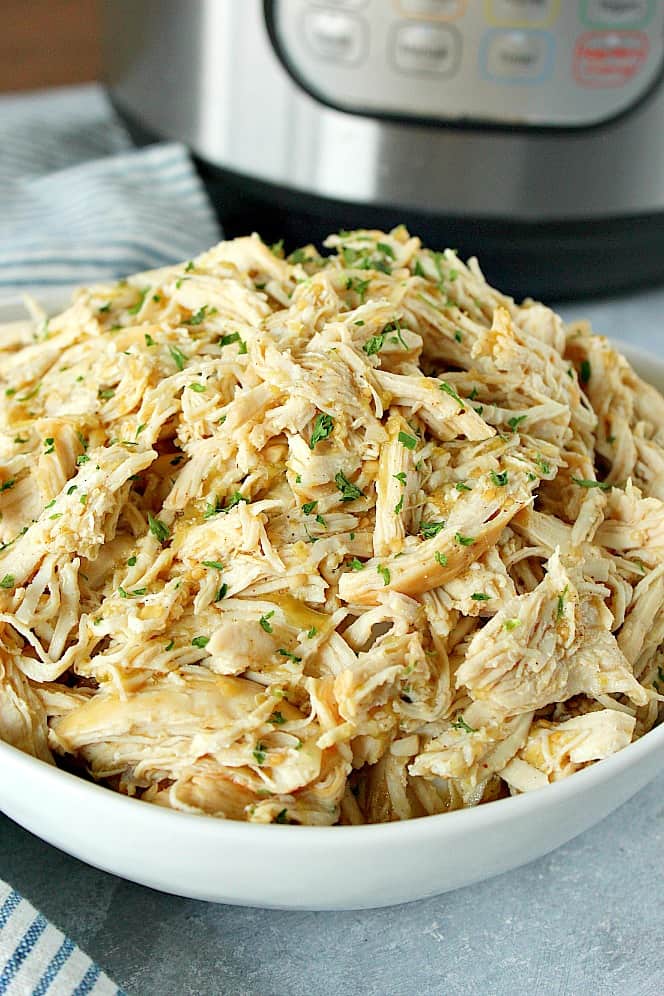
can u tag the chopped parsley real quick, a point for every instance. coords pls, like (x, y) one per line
(583, 483)
(264, 622)
(277, 719)
(135, 308)
(214, 507)
(259, 753)
(410, 442)
(457, 335)
(401, 477)
(105, 393)
(464, 540)
(7, 485)
(199, 316)
(431, 528)
(309, 507)
(356, 565)
(30, 394)
(440, 558)
(149, 341)
(348, 491)
(178, 357)
(81, 459)
(511, 624)
(499, 479)
(289, 655)
(479, 596)
(311, 633)
(190, 266)
(461, 486)
(136, 593)
(222, 592)
(374, 344)
(543, 465)
(323, 426)
(158, 528)
(131, 562)
(448, 389)
(198, 388)
(399, 505)
(561, 602)
(228, 340)
(49, 445)
(384, 573)
(8, 581)
(282, 816)
(200, 641)
(585, 371)
(214, 565)
(516, 421)
(385, 249)
(461, 724)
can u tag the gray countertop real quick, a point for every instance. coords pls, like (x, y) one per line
(587, 919)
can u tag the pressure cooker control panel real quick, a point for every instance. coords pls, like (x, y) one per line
(528, 62)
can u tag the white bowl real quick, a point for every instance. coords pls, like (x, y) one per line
(322, 868)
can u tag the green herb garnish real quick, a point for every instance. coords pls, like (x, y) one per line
(603, 485)
(384, 573)
(158, 528)
(431, 528)
(178, 357)
(264, 622)
(448, 389)
(323, 426)
(289, 655)
(348, 491)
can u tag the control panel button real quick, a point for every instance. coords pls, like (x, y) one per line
(522, 13)
(426, 48)
(336, 36)
(617, 13)
(347, 4)
(518, 56)
(609, 58)
(440, 10)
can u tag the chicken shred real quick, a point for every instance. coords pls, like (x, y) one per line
(325, 539)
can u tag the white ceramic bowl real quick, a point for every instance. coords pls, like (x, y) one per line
(288, 867)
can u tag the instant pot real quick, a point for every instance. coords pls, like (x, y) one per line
(530, 132)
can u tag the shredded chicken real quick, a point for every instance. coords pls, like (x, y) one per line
(325, 539)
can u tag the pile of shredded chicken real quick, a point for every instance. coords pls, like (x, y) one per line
(323, 540)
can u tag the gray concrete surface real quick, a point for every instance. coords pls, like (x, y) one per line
(588, 920)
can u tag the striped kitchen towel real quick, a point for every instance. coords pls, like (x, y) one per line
(78, 204)
(36, 959)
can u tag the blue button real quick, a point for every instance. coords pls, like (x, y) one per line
(517, 56)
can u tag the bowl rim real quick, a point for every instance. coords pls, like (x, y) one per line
(471, 819)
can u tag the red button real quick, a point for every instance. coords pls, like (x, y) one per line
(609, 58)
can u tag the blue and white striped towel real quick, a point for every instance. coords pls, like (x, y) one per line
(36, 959)
(68, 217)
(78, 204)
